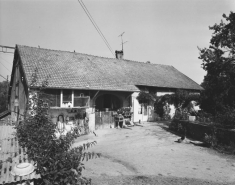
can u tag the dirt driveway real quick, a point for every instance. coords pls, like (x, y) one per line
(150, 155)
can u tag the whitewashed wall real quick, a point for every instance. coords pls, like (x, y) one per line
(151, 115)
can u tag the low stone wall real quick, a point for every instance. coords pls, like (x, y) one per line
(197, 131)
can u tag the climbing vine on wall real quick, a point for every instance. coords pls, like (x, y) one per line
(146, 98)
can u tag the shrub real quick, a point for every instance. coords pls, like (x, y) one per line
(180, 100)
(226, 118)
(161, 105)
(173, 125)
(210, 140)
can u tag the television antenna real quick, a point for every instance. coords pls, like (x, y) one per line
(122, 40)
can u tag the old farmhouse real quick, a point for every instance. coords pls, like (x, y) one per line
(95, 85)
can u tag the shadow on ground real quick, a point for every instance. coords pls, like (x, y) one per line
(151, 180)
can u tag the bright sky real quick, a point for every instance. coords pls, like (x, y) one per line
(160, 31)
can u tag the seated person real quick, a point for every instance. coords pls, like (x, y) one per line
(60, 126)
(69, 124)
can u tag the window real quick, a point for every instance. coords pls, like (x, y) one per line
(80, 99)
(51, 97)
(67, 96)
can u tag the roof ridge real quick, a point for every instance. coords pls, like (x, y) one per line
(92, 55)
(186, 76)
(145, 62)
(62, 51)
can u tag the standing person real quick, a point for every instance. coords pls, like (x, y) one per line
(86, 125)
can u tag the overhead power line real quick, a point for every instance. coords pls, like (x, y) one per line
(4, 77)
(4, 59)
(5, 66)
(96, 27)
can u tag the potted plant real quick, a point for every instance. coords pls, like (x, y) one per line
(192, 116)
(125, 112)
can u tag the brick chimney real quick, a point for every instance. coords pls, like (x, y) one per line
(119, 54)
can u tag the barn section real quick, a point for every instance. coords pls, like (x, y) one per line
(91, 84)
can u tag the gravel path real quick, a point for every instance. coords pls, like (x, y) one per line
(150, 155)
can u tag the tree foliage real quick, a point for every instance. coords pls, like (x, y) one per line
(145, 98)
(180, 99)
(219, 62)
(55, 159)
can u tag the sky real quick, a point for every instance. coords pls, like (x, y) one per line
(160, 31)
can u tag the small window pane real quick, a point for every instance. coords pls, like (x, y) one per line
(81, 101)
(67, 96)
(81, 98)
(52, 97)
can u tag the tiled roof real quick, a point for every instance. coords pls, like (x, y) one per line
(9, 147)
(81, 71)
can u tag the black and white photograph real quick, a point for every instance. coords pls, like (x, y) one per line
(117, 92)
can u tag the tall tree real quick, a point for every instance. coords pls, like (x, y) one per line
(3, 96)
(219, 62)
